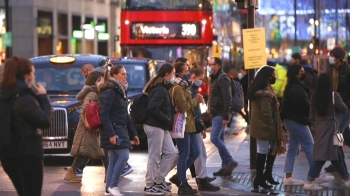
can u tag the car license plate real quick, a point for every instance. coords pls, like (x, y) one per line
(55, 144)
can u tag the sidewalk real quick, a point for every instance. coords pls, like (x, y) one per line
(238, 145)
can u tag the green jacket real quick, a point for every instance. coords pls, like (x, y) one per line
(264, 124)
(180, 97)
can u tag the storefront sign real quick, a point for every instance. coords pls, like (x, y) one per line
(171, 30)
(254, 43)
(7, 39)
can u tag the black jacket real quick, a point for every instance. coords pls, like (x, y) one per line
(296, 104)
(114, 117)
(30, 114)
(160, 108)
(220, 97)
(343, 82)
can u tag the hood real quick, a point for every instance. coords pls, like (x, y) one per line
(84, 91)
(265, 93)
(20, 86)
(113, 85)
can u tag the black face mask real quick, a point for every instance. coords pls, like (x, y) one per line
(272, 80)
(303, 76)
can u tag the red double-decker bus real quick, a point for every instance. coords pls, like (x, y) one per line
(167, 29)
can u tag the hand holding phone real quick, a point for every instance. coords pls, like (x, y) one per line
(119, 141)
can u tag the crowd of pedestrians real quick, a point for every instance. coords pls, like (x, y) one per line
(310, 108)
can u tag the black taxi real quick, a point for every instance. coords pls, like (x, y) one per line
(61, 75)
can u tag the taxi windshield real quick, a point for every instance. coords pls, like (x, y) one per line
(60, 79)
(136, 75)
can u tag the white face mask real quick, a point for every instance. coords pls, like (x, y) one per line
(331, 60)
(240, 76)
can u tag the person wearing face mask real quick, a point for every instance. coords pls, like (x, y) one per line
(198, 168)
(116, 125)
(31, 111)
(188, 146)
(265, 125)
(340, 74)
(219, 105)
(162, 154)
(86, 144)
(295, 113)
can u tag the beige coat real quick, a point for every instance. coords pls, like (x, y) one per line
(85, 142)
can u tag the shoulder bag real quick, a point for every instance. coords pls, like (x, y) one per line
(338, 138)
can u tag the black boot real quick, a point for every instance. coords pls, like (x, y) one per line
(204, 185)
(268, 169)
(175, 180)
(185, 188)
(259, 179)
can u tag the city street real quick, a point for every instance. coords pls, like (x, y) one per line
(237, 184)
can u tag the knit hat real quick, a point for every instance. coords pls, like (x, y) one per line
(338, 52)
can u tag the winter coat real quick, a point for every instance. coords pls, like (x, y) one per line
(343, 82)
(30, 114)
(296, 104)
(114, 116)
(220, 96)
(85, 142)
(324, 129)
(264, 120)
(181, 95)
(159, 106)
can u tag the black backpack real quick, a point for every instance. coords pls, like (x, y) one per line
(6, 125)
(237, 95)
(138, 109)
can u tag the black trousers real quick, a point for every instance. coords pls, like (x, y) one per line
(26, 174)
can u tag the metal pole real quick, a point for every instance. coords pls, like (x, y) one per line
(336, 20)
(95, 32)
(251, 72)
(295, 23)
(82, 29)
(315, 30)
(7, 19)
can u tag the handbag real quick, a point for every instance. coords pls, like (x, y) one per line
(338, 139)
(92, 116)
(178, 129)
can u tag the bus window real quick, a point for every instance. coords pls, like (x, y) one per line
(167, 5)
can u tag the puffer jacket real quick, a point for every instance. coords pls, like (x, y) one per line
(343, 81)
(182, 96)
(85, 142)
(220, 97)
(114, 116)
(30, 114)
(159, 107)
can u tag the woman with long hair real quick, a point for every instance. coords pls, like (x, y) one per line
(324, 118)
(116, 125)
(86, 143)
(265, 124)
(295, 113)
(162, 153)
(188, 146)
(31, 111)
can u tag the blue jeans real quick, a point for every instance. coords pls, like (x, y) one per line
(344, 120)
(117, 161)
(339, 165)
(217, 138)
(188, 152)
(298, 134)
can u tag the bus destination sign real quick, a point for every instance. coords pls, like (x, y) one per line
(168, 30)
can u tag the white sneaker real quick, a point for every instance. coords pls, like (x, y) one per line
(292, 181)
(312, 187)
(347, 183)
(324, 178)
(114, 191)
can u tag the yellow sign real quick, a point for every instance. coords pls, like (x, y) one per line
(62, 59)
(254, 43)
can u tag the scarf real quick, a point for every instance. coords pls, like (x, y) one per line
(122, 87)
(335, 79)
(183, 82)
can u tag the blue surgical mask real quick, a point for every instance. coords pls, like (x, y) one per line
(172, 80)
(210, 71)
(199, 83)
(331, 60)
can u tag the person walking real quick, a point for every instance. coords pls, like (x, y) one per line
(295, 115)
(86, 143)
(188, 146)
(340, 76)
(266, 126)
(162, 154)
(325, 108)
(116, 125)
(31, 111)
(219, 104)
